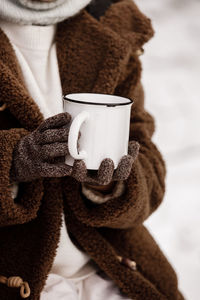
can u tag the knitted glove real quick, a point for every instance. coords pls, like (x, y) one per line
(42, 152)
(106, 172)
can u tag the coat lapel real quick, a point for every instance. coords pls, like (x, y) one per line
(90, 55)
(12, 88)
(93, 55)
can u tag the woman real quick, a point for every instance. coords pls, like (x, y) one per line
(69, 233)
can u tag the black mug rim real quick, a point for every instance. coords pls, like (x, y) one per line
(65, 97)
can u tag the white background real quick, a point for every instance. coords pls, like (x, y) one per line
(171, 78)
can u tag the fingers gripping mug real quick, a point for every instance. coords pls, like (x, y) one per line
(104, 123)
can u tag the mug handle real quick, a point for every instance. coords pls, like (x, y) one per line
(73, 135)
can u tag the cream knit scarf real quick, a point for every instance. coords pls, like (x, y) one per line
(29, 12)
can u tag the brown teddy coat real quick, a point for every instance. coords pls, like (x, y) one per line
(94, 56)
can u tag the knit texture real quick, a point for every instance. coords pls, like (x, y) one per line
(41, 5)
(36, 155)
(104, 55)
(29, 12)
(106, 172)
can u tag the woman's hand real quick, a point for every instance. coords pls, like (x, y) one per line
(42, 152)
(106, 172)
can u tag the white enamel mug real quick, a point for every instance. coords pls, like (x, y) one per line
(104, 123)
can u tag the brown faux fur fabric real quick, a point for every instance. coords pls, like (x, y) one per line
(94, 56)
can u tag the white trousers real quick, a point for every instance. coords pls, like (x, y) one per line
(94, 287)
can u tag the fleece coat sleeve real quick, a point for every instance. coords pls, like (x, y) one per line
(25, 206)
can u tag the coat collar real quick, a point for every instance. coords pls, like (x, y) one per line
(91, 58)
(90, 55)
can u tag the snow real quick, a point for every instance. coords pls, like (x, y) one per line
(171, 78)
